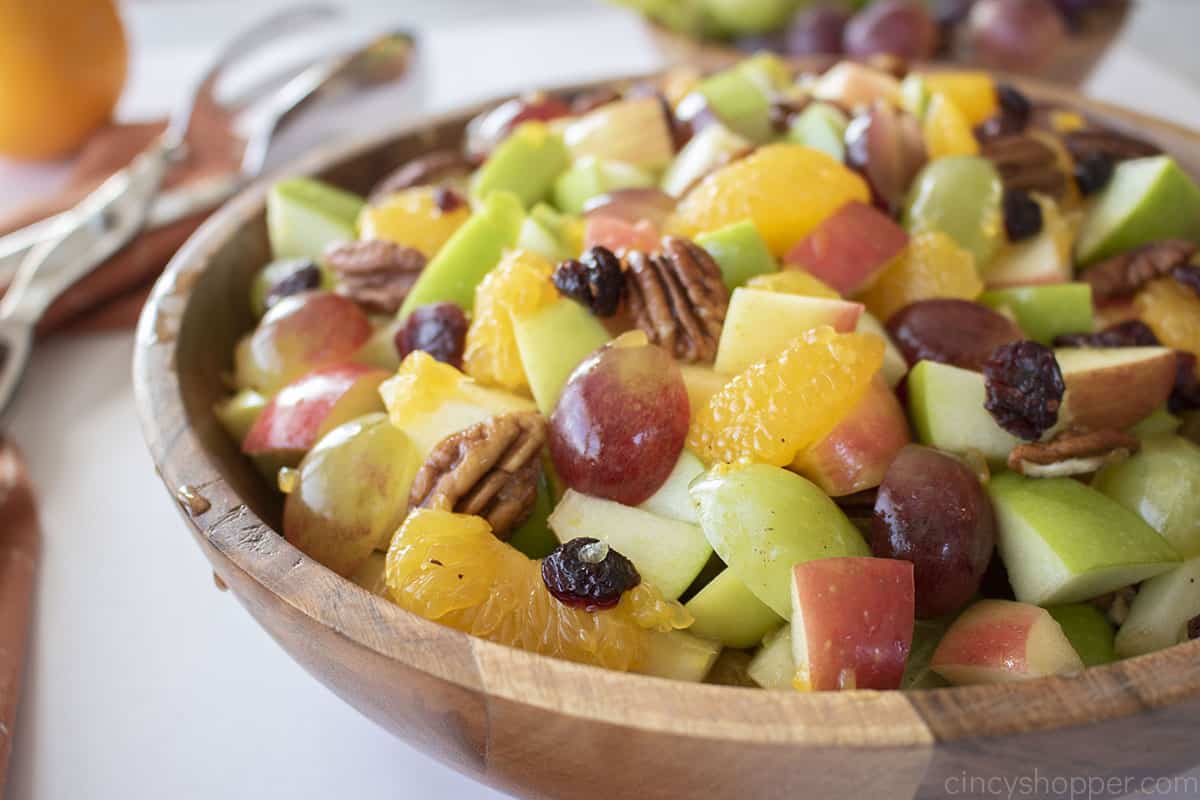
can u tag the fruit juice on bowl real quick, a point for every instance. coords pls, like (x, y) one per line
(781, 362)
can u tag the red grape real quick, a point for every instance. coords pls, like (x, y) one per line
(816, 31)
(902, 28)
(932, 511)
(490, 128)
(1015, 35)
(620, 423)
(887, 147)
(956, 332)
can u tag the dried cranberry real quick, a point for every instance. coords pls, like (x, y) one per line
(588, 574)
(440, 329)
(1186, 394)
(1022, 215)
(1188, 275)
(1093, 173)
(295, 276)
(1024, 388)
(594, 280)
(448, 199)
(1130, 333)
(1193, 628)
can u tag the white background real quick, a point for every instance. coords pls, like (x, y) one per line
(143, 679)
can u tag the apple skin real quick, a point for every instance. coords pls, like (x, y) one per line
(996, 641)
(852, 622)
(857, 453)
(619, 235)
(305, 410)
(1114, 388)
(761, 324)
(848, 250)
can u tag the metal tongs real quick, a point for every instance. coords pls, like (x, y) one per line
(51, 256)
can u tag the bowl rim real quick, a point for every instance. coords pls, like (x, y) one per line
(866, 719)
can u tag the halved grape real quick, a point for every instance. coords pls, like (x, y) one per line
(1014, 35)
(620, 422)
(816, 31)
(956, 332)
(887, 147)
(903, 28)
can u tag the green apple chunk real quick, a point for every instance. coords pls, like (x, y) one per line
(679, 656)
(760, 324)
(725, 610)
(537, 238)
(1161, 611)
(1063, 542)
(591, 177)
(961, 197)
(668, 553)
(469, 254)
(773, 666)
(352, 494)
(672, 499)
(713, 147)
(763, 520)
(305, 216)
(1147, 200)
(633, 131)
(1161, 484)
(1160, 422)
(238, 413)
(1088, 630)
(534, 537)
(945, 405)
(739, 251)
(526, 164)
(821, 126)
(552, 341)
(1043, 312)
(745, 17)
(739, 99)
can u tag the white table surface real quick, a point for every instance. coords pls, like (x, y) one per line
(144, 680)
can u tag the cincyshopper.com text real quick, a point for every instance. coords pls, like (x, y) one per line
(1035, 784)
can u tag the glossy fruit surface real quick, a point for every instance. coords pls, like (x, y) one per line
(1161, 484)
(451, 569)
(518, 286)
(620, 422)
(933, 266)
(793, 281)
(960, 196)
(901, 28)
(950, 331)
(786, 190)
(1173, 312)
(787, 403)
(932, 511)
(62, 68)
(414, 218)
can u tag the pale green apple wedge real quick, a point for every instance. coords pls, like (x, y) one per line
(714, 146)
(534, 537)
(668, 553)
(927, 634)
(739, 100)
(1088, 630)
(1043, 312)
(679, 656)
(773, 666)
(760, 324)
(1161, 422)
(591, 177)
(537, 238)
(305, 216)
(526, 163)
(762, 520)
(1063, 542)
(894, 366)
(726, 611)
(1161, 484)
(672, 499)
(1161, 611)
(821, 126)
(552, 341)
(1147, 200)
(739, 251)
(945, 406)
(238, 413)
(470, 253)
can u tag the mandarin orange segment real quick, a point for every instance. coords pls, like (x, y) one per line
(786, 190)
(784, 405)
(972, 92)
(450, 568)
(412, 217)
(934, 265)
(519, 285)
(793, 281)
(947, 131)
(1173, 312)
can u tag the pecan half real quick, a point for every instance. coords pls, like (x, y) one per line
(1090, 142)
(375, 273)
(438, 166)
(678, 298)
(1027, 162)
(1124, 274)
(490, 469)
(1072, 452)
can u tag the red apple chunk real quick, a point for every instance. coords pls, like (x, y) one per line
(849, 249)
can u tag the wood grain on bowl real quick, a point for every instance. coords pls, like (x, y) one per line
(540, 727)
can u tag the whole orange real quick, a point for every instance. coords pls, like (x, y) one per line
(62, 66)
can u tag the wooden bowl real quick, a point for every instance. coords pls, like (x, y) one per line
(540, 727)
(1072, 64)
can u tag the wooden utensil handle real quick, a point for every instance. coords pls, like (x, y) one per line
(19, 547)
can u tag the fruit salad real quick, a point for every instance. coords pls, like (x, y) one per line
(810, 382)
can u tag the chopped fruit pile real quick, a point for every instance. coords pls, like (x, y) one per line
(858, 381)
